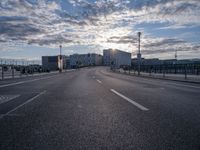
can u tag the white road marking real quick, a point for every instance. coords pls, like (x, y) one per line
(129, 100)
(6, 98)
(19, 106)
(99, 81)
(21, 82)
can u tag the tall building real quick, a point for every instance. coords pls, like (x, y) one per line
(82, 60)
(116, 58)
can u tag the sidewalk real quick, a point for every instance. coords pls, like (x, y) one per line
(174, 77)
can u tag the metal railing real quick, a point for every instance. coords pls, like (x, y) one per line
(175, 71)
(12, 71)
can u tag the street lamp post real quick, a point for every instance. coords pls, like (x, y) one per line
(60, 59)
(139, 54)
(175, 63)
(113, 60)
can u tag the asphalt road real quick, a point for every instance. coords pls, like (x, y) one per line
(93, 108)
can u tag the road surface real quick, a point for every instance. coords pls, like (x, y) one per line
(93, 108)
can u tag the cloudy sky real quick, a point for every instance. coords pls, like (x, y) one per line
(32, 28)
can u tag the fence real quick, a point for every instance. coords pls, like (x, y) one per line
(182, 71)
(12, 71)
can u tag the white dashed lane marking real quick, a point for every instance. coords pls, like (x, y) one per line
(99, 81)
(130, 100)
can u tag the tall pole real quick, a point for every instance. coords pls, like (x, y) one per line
(176, 54)
(139, 54)
(139, 35)
(60, 59)
(175, 60)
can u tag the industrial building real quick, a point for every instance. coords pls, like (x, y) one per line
(53, 63)
(116, 58)
(82, 60)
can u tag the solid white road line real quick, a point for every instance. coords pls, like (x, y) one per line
(99, 81)
(21, 82)
(129, 100)
(19, 106)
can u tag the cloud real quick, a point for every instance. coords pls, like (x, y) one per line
(164, 42)
(102, 23)
(178, 13)
(122, 39)
(167, 46)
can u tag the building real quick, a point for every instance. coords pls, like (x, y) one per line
(53, 63)
(50, 62)
(116, 58)
(82, 60)
(66, 62)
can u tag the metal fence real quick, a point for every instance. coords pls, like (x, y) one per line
(184, 71)
(13, 71)
(181, 69)
(16, 68)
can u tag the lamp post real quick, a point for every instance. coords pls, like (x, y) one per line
(139, 54)
(113, 63)
(175, 61)
(60, 59)
(175, 54)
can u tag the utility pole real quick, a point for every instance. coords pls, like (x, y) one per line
(139, 54)
(176, 54)
(60, 59)
(175, 61)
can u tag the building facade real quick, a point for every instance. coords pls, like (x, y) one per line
(50, 62)
(82, 60)
(53, 63)
(116, 58)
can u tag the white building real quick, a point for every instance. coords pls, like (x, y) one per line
(82, 60)
(116, 58)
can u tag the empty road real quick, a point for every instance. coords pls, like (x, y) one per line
(93, 108)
